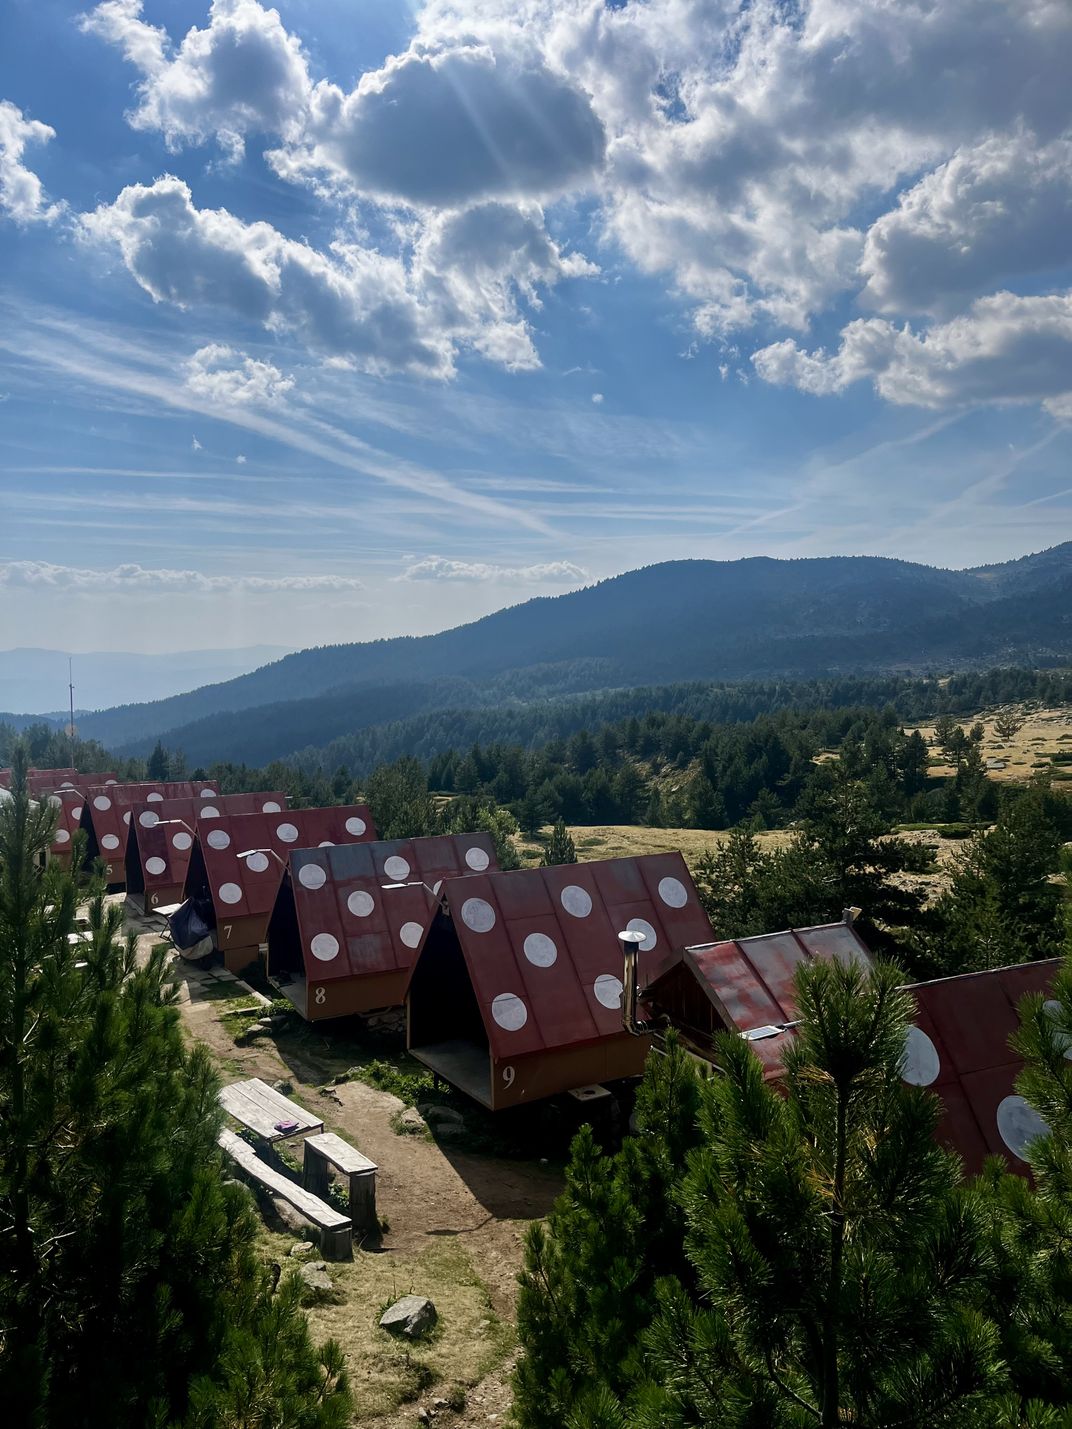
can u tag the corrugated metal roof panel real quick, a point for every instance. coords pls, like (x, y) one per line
(165, 831)
(243, 887)
(959, 1048)
(541, 944)
(366, 909)
(108, 808)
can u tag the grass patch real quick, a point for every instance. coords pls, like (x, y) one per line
(469, 1339)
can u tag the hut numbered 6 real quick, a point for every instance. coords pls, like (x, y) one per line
(238, 861)
(516, 993)
(161, 839)
(350, 921)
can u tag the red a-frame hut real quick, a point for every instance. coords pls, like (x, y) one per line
(161, 838)
(107, 813)
(516, 994)
(349, 921)
(238, 861)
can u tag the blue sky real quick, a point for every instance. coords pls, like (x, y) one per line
(339, 320)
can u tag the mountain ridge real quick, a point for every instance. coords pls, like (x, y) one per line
(758, 618)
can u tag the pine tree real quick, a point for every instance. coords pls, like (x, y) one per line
(559, 848)
(157, 766)
(588, 1289)
(130, 1289)
(840, 1263)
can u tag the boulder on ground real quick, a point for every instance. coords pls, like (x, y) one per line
(290, 1217)
(436, 1115)
(412, 1316)
(411, 1120)
(318, 1288)
(302, 1250)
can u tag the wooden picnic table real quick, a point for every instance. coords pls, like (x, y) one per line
(262, 1109)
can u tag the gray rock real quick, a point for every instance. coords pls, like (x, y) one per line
(411, 1118)
(318, 1288)
(302, 1250)
(291, 1218)
(436, 1115)
(412, 1316)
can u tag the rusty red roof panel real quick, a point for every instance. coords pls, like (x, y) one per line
(50, 781)
(164, 831)
(366, 908)
(541, 944)
(243, 887)
(108, 808)
(959, 1047)
(68, 805)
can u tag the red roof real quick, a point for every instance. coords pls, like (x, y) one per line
(750, 981)
(244, 887)
(541, 944)
(109, 807)
(164, 830)
(959, 1047)
(48, 781)
(366, 908)
(68, 803)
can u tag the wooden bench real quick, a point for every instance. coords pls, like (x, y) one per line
(336, 1230)
(327, 1149)
(260, 1107)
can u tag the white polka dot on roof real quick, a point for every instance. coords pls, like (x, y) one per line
(66, 784)
(257, 863)
(311, 875)
(76, 814)
(107, 782)
(230, 893)
(396, 868)
(576, 901)
(182, 842)
(641, 925)
(218, 838)
(126, 817)
(540, 950)
(1019, 1125)
(148, 819)
(921, 1064)
(155, 866)
(509, 1011)
(478, 915)
(477, 859)
(325, 843)
(102, 802)
(271, 807)
(1053, 1007)
(208, 793)
(62, 836)
(411, 934)
(55, 801)
(360, 903)
(324, 947)
(608, 990)
(356, 826)
(288, 833)
(210, 812)
(673, 892)
(154, 798)
(109, 841)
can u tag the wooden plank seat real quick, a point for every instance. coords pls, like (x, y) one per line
(336, 1229)
(263, 1110)
(325, 1150)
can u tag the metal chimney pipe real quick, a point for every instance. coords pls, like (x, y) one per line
(629, 942)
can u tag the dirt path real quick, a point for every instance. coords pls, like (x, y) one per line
(433, 1196)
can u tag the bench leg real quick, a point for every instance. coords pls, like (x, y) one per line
(363, 1201)
(314, 1172)
(337, 1245)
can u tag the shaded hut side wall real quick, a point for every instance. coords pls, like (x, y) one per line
(678, 996)
(284, 937)
(441, 1001)
(135, 879)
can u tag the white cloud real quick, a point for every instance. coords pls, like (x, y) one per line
(993, 212)
(241, 74)
(453, 125)
(22, 195)
(1005, 348)
(223, 375)
(353, 304)
(133, 578)
(438, 568)
(597, 398)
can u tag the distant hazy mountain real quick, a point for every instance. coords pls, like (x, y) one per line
(682, 620)
(35, 681)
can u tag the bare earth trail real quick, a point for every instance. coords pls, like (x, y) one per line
(437, 1201)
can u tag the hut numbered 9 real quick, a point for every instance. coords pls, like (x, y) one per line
(516, 993)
